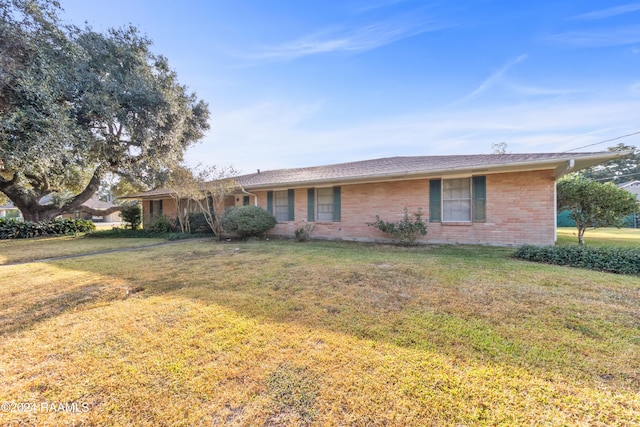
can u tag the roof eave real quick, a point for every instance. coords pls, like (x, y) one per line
(560, 166)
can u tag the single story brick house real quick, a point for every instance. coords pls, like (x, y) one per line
(493, 199)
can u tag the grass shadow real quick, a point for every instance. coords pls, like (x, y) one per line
(472, 303)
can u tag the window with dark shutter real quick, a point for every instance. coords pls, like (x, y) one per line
(311, 198)
(479, 186)
(435, 203)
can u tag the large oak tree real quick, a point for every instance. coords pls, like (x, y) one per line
(76, 104)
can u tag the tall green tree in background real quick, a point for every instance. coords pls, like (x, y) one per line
(618, 171)
(76, 104)
(593, 204)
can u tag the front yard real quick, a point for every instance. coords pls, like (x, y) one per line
(281, 333)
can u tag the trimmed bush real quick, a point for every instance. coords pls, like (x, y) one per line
(17, 229)
(621, 260)
(247, 221)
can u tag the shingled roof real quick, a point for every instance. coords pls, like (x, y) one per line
(421, 166)
(397, 168)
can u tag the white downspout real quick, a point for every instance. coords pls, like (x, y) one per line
(255, 198)
(555, 211)
(569, 168)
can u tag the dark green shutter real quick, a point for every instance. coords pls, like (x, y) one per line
(337, 204)
(479, 188)
(150, 209)
(311, 205)
(270, 202)
(291, 206)
(435, 200)
(160, 207)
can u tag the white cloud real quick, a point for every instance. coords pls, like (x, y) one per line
(634, 88)
(598, 38)
(491, 81)
(526, 90)
(273, 135)
(609, 12)
(371, 5)
(353, 40)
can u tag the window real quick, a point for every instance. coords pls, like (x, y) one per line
(324, 204)
(155, 208)
(457, 200)
(281, 204)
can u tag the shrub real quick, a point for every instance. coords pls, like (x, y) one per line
(132, 215)
(161, 224)
(405, 231)
(198, 223)
(247, 221)
(17, 229)
(621, 260)
(304, 233)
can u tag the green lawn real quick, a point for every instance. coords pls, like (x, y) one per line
(600, 236)
(282, 333)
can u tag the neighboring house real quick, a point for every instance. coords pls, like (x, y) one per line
(9, 211)
(496, 199)
(632, 187)
(95, 203)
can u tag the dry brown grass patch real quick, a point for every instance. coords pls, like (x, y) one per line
(280, 333)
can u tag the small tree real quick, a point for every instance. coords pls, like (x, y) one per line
(405, 231)
(202, 188)
(184, 188)
(215, 185)
(499, 148)
(132, 215)
(592, 204)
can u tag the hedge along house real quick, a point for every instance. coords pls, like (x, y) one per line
(495, 199)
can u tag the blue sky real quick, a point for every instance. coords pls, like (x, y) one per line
(302, 83)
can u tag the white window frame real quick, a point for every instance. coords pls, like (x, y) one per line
(281, 211)
(324, 216)
(468, 199)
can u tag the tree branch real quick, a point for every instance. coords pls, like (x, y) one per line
(4, 183)
(101, 212)
(89, 190)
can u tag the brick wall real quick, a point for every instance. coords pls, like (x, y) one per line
(520, 210)
(168, 209)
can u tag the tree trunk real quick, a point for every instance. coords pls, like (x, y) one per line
(581, 231)
(28, 200)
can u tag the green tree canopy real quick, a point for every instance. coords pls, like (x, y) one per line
(593, 204)
(620, 170)
(76, 104)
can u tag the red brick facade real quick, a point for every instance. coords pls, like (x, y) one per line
(519, 210)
